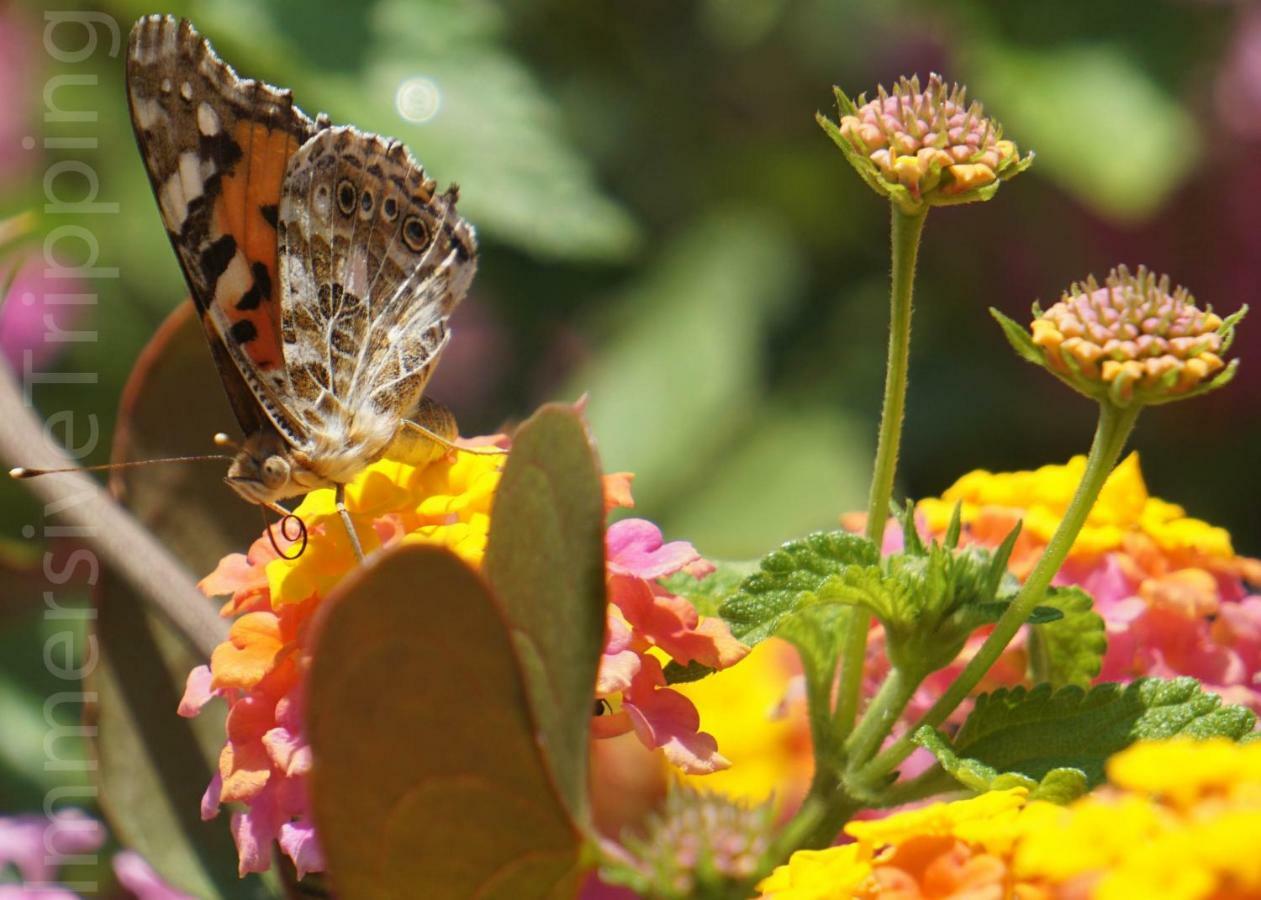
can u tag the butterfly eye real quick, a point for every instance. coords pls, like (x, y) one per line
(346, 197)
(365, 202)
(390, 208)
(415, 235)
(275, 471)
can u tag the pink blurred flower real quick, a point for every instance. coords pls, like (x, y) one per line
(37, 310)
(137, 876)
(37, 846)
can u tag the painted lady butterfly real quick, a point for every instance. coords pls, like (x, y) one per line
(322, 261)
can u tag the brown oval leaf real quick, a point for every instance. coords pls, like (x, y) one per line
(428, 781)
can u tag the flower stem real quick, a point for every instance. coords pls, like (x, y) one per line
(1115, 425)
(906, 229)
(879, 717)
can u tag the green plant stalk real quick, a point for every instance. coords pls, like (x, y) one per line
(880, 717)
(905, 229)
(1115, 425)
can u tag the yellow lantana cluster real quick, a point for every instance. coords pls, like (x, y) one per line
(445, 502)
(1180, 820)
(1124, 518)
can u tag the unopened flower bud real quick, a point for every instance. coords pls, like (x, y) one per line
(924, 147)
(701, 845)
(1132, 340)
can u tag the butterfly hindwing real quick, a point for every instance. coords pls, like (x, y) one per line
(216, 148)
(372, 261)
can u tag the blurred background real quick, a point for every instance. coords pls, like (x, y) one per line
(664, 227)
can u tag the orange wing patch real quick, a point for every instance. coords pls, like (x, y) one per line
(249, 299)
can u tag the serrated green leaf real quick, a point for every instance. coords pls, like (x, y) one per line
(677, 673)
(1069, 649)
(1061, 786)
(706, 595)
(709, 593)
(788, 576)
(1020, 339)
(1032, 732)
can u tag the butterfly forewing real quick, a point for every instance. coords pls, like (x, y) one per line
(216, 148)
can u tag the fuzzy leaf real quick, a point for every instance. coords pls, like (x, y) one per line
(545, 560)
(709, 593)
(789, 577)
(1032, 732)
(1059, 785)
(1068, 649)
(1020, 339)
(428, 772)
(706, 595)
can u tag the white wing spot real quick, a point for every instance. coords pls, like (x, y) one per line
(148, 112)
(166, 85)
(234, 281)
(174, 204)
(186, 90)
(190, 175)
(207, 120)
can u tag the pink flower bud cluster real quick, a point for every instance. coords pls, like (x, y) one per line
(700, 837)
(1132, 335)
(929, 141)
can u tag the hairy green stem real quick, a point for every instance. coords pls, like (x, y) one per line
(879, 717)
(905, 235)
(1113, 430)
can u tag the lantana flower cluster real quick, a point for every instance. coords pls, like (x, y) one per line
(1133, 337)
(1180, 819)
(1175, 596)
(261, 669)
(923, 146)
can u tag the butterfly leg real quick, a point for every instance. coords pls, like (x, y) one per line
(428, 434)
(350, 526)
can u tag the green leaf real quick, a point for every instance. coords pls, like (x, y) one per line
(1142, 142)
(495, 129)
(545, 560)
(708, 299)
(789, 577)
(928, 598)
(1059, 785)
(153, 764)
(1020, 339)
(1032, 732)
(706, 595)
(1069, 649)
(709, 593)
(428, 773)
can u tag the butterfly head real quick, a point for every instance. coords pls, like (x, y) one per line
(265, 470)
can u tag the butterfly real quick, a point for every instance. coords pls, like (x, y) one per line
(323, 263)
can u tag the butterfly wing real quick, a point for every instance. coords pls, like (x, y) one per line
(372, 261)
(216, 148)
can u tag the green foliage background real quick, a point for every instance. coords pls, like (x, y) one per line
(663, 226)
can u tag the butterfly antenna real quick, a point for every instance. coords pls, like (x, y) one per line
(24, 472)
(286, 519)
